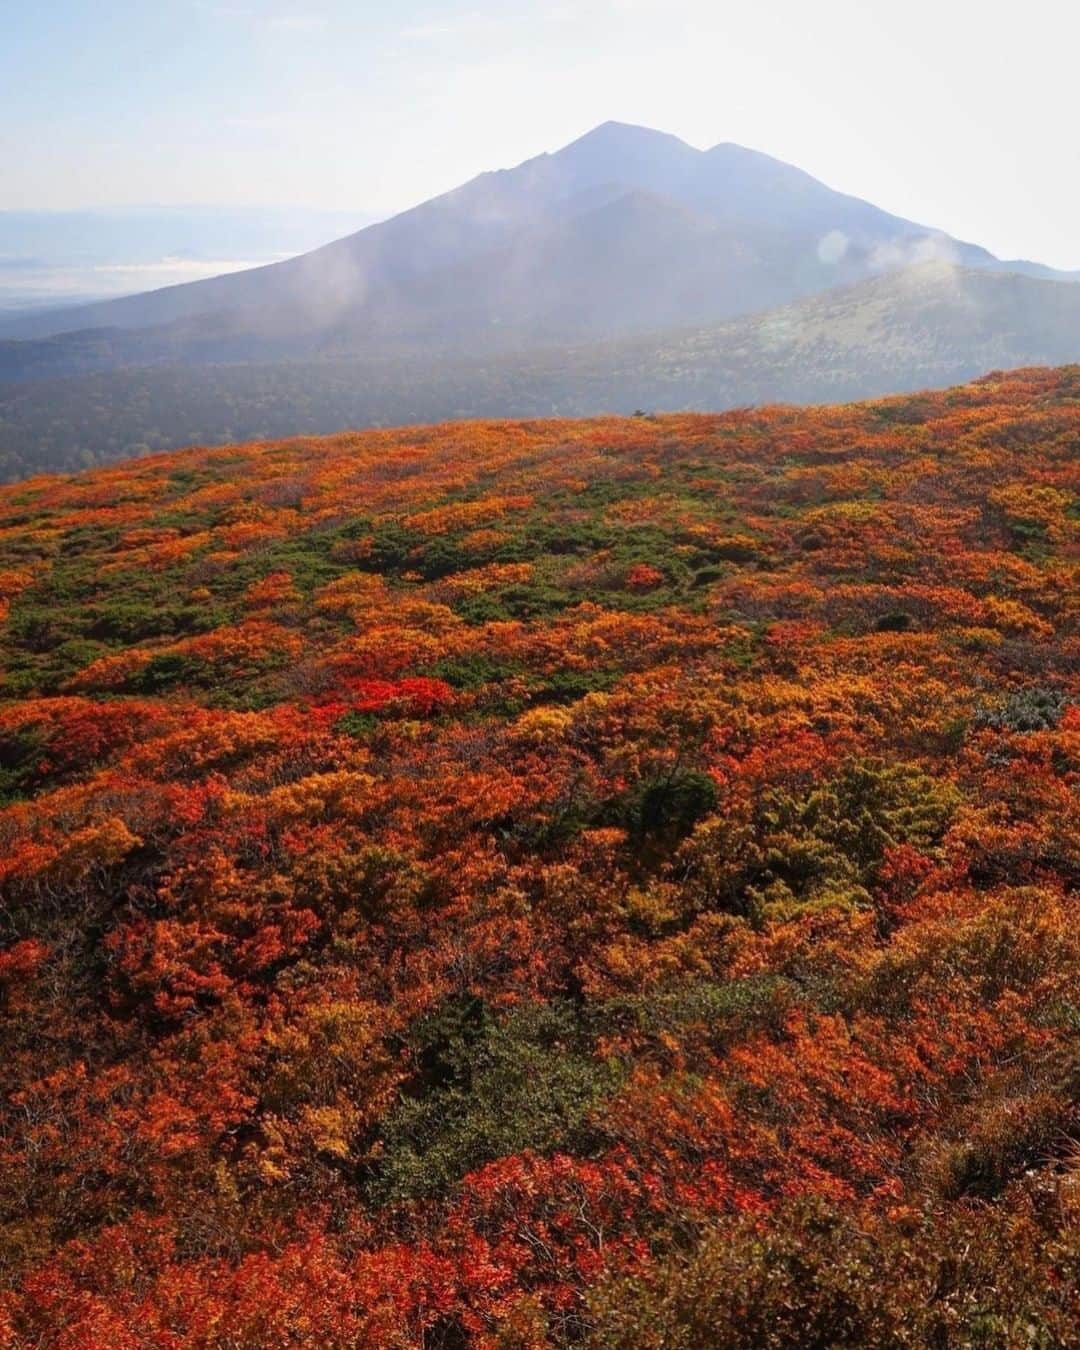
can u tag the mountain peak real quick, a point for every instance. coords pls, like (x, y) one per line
(615, 131)
(626, 138)
(618, 152)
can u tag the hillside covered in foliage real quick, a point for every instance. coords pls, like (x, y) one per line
(535, 884)
(922, 327)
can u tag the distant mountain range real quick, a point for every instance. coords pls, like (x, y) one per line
(627, 269)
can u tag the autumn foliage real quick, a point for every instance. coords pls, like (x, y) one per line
(528, 884)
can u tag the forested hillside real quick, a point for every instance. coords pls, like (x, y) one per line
(531, 884)
(921, 327)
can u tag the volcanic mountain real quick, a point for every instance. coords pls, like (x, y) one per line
(622, 232)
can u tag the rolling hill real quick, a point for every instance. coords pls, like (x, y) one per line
(925, 326)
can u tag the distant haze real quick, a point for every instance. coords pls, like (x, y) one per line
(961, 115)
(55, 258)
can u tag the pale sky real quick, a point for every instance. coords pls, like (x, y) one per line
(958, 114)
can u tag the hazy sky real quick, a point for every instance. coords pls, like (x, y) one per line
(957, 113)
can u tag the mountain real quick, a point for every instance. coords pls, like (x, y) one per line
(624, 231)
(922, 327)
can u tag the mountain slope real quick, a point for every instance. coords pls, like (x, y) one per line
(612, 263)
(412, 280)
(565, 886)
(923, 327)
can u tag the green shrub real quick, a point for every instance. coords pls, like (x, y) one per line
(485, 1089)
(668, 807)
(1025, 710)
(824, 846)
